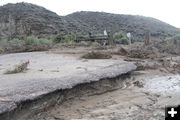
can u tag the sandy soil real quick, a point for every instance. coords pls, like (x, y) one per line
(129, 103)
(143, 97)
(48, 72)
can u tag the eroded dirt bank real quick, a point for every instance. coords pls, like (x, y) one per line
(30, 108)
(141, 95)
(49, 72)
(130, 99)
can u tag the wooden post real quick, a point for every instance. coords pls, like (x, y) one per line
(147, 38)
(110, 38)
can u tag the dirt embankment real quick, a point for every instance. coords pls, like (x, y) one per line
(48, 72)
(140, 95)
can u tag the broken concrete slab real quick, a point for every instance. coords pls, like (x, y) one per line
(49, 72)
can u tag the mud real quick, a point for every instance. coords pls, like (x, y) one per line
(140, 95)
(46, 102)
(127, 102)
(48, 72)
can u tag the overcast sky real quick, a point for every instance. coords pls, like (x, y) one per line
(165, 10)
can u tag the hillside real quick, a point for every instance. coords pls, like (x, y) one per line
(18, 20)
(25, 19)
(137, 25)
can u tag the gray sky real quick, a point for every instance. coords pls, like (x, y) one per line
(165, 10)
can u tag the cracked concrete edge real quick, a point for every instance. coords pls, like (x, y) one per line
(71, 81)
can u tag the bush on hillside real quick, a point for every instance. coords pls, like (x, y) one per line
(32, 40)
(169, 45)
(120, 38)
(176, 39)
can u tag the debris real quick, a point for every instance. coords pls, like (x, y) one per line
(143, 52)
(123, 51)
(139, 66)
(128, 84)
(138, 84)
(96, 55)
(18, 68)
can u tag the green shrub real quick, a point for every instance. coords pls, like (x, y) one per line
(12, 42)
(18, 68)
(53, 38)
(70, 37)
(15, 41)
(120, 38)
(84, 43)
(95, 44)
(44, 41)
(32, 40)
(176, 39)
(65, 38)
(3, 41)
(99, 35)
(71, 43)
(165, 41)
(59, 38)
(79, 37)
(1, 50)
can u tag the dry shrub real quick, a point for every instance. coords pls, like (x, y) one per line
(138, 84)
(18, 68)
(145, 66)
(96, 55)
(171, 65)
(139, 66)
(101, 48)
(95, 44)
(177, 67)
(83, 43)
(143, 52)
(168, 48)
(31, 48)
(122, 51)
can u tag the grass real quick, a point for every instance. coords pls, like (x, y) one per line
(18, 68)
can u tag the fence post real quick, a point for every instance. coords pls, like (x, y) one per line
(147, 38)
(110, 38)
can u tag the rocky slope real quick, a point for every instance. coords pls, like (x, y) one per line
(24, 19)
(137, 25)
